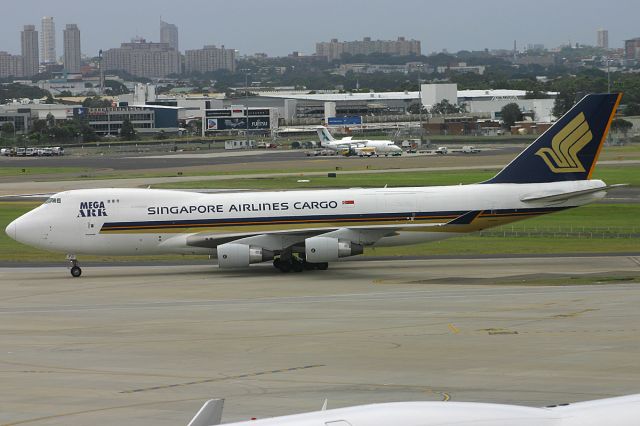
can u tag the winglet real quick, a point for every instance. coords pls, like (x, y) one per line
(210, 414)
(465, 219)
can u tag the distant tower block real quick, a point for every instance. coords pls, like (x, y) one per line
(603, 38)
(48, 41)
(72, 58)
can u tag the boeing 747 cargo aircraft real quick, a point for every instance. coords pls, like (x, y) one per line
(300, 230)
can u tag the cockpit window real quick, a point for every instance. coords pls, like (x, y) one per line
(53, 200)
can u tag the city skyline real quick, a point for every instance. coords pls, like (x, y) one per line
(282, 26)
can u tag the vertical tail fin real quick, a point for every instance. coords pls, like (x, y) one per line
(569, 149)
(324, 135)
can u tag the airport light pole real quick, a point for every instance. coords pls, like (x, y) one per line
(420, 66)
(246, 105)
(608, 76)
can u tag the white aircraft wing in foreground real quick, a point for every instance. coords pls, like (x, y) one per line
(300, 230)
(620, 411)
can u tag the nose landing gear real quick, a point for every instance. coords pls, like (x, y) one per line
(73, 265)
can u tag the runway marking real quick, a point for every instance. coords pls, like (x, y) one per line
(333, 298)
(219, 379)
(454, 329)
(574, 314)
(498, 331)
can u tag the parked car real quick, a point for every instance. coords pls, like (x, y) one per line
(442, 150)
(31, 152)
(57, 150)
(21, 152)
(469, 150)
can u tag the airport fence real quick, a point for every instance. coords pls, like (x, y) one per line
(563, 232)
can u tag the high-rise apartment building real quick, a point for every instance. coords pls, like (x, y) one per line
(210, 58)
(632, 48)
(334, 49)
(48, 41)
(30, 58)
(142, 59)
(71, 36)
(10, 65)
(169, 34)
(603, 38)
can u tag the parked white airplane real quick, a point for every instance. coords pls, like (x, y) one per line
(307, 229)
(357, 146)
(620, 411)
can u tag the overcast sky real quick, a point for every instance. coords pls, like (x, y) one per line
(279, 27)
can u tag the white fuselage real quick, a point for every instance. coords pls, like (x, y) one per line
(379, 147)
(149, 221)
(621, 411)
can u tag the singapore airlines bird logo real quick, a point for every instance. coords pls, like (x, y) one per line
(562, 157)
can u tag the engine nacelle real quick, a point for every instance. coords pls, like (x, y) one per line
(233, 255)
(327, 249)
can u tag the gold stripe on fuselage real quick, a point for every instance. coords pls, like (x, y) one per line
(483, 221)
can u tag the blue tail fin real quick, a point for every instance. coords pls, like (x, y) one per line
(569, 149)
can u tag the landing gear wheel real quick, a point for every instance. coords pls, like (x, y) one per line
(298, 266)
(322, 266)
(73, 264)
(76, 271)
(283, 266)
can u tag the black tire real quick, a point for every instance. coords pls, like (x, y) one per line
(285, 266)
(76, 271)
(322, 266)
(297, 266)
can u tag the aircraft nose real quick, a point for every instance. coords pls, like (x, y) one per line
(12, 229)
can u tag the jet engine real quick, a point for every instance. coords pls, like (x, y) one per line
(233, 255)
(327, 249)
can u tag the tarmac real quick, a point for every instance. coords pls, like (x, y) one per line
(149, 344)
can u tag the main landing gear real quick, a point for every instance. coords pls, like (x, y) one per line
(73, 265)
(297, 265)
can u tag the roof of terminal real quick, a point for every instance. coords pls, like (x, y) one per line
(331, 97)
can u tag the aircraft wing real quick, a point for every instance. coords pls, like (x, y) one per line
(210, 414)
(281, 239)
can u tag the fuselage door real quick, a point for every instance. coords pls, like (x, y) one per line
(90, 226)
(337, 423)
(402, 202)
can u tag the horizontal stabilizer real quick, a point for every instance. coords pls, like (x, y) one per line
(210, 414)
(465, 219)
(567, 195)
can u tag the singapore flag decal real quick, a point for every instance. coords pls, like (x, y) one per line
(348, 203)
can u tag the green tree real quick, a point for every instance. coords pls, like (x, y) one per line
(621, 125)
(510, 114)
(564, 101)
(127, 132)
(415, 109)
(39, 125)
(113, 87)
(445, 107)
(632, 108)
(51, 121)
(96, 102)
(7, 129)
